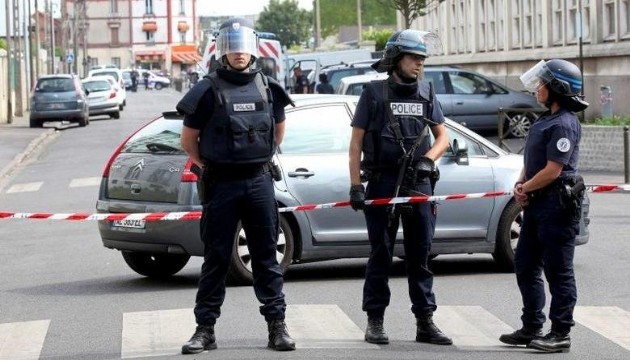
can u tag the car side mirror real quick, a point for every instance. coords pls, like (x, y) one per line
(461, 152)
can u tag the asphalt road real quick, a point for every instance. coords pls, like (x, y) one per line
(64, 296)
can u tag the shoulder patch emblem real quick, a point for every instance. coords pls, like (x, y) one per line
(563, 145)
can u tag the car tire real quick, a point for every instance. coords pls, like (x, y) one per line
(523, 122)
(83, 121)
(115, 115)
(507, 236)
(155, 265)
(158, 86)
(34, 123)
(120, 107)
(240, 270)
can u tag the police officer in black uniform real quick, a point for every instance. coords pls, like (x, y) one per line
(391, 129)
(234, 120)
(550, 192)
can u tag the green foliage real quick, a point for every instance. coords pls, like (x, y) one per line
(3, 44)
(410, 9)
(284, 18)
(613, 121)
(336, 13)
(379, 37)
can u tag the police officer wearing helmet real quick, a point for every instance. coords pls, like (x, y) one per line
(233, 123)
(390, 129)
(550, 192)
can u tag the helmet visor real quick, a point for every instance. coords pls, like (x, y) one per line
(237, 39)
(424, 43)
(536, 76)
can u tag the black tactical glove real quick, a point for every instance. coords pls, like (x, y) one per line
(357, 197)
(424, 167)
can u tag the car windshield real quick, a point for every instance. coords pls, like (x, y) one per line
(55, 85)
(162, 135)
(100, 85)
(317, 129)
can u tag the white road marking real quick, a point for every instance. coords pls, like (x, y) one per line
(609, 321)
(22, 340)
(25, 187)
(82, 182)
(324, 326)
(471, 326)
(155, 333)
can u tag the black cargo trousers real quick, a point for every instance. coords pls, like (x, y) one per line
(249, 198)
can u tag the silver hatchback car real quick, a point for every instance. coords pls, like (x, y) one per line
(150, 172)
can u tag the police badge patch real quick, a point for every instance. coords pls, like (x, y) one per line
(563, 145)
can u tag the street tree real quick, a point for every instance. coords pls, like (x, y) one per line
(291, 24)
(410, 9)
(336, 13)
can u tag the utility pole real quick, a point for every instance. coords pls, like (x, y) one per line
(359, 26)
(53, 70)
(7, 11)
(37, 42)
(318, 26)
(75, 36)
(17, 58)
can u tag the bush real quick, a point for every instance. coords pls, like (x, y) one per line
(613, 121)
(380, 37)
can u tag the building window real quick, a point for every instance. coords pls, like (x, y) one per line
(148, 6)
(624, 19)
(150, 37)
(113, 6)
(182, 38)
(609, 20)
(114, 36)
(483, 30)
(182, 7)
(116, 61)
(517, 27)
(557, 22)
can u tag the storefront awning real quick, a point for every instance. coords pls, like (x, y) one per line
(185, 54)
(149, 56)
(186, 58)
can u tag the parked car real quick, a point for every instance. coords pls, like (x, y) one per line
(158, 81)
(58, 97)
(101, 97)
(120, 83)
(120, 99)
(353, 85)
(126, 75)
(468, 98)
(335, 73)
(150, 172)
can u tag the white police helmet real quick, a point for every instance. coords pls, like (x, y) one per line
(237, 35)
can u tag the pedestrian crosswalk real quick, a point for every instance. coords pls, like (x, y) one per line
(313, 326)
(36, 186)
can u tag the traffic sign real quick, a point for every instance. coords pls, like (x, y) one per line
(69, 58)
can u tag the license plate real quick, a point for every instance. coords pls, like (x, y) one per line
(130, 223)
(56, 106)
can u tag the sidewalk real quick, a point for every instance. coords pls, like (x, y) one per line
(17, 141)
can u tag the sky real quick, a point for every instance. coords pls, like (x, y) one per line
(239, 7)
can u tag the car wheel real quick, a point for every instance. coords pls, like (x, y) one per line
(34, 123)
(115, 115)
(124, 102)
(83, 121)
(120, 107)
(240, 271)
(507, 236)
(158, 86)
(518, 124)
(155, 265)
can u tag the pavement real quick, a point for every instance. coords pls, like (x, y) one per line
(18, 142)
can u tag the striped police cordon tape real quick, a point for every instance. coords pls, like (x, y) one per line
(195, 215)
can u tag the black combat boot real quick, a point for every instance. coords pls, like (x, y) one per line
(375, 333)
(202, 339)
(427, 332)
(279, 338)
(521, 336)
(552, 342)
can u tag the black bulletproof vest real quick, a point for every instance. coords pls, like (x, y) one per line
(242, 129)
(381, 148)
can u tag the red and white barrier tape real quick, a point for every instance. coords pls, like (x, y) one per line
(195, 215)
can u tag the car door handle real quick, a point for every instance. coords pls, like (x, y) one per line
(459, 103)
(300, 172)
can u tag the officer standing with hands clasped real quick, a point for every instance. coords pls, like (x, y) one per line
(551, 193)
(390, 128)
(233, 123)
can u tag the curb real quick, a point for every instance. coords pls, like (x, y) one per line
(33, 148)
